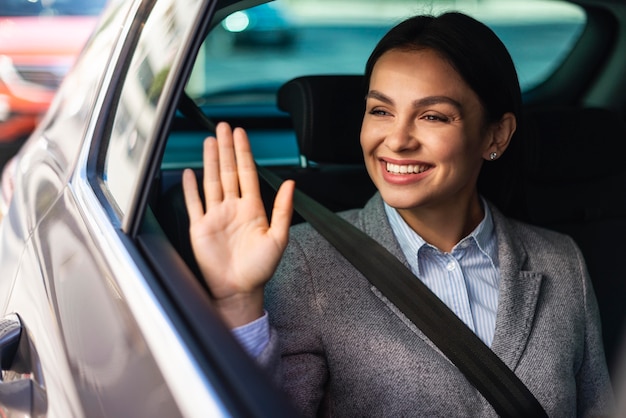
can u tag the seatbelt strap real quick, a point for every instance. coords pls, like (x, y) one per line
(480, 365)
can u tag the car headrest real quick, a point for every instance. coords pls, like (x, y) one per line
(326, 111)
(575, 164)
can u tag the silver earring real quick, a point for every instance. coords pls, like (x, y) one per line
(493, 156)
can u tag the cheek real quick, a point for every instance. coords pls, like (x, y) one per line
(465, 158)
(444, 146)
(367, 138)
(459, 143)
(368, 147)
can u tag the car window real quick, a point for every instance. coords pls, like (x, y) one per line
(261, 47)
(136, 114)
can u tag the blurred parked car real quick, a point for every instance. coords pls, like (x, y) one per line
(39, 41)
(263, 25)
(102, 312)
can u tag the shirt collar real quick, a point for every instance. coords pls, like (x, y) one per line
(410, 241)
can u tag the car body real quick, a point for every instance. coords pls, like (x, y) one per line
(102, 308)
(39, 42)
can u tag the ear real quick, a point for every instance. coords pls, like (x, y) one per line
(500, 134)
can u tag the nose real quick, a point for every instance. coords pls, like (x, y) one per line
(402, 136)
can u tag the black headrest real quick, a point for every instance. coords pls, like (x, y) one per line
(326, 111)
(574, 169)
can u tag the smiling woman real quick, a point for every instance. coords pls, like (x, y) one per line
(421, 114)
(434, 115)
(94, 240)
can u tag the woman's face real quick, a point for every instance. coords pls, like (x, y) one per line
(423, 133)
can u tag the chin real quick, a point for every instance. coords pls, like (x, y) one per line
(400, 200)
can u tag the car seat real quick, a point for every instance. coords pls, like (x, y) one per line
(575, 183)
(326, 113)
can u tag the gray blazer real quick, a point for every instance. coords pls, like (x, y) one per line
(338, 344)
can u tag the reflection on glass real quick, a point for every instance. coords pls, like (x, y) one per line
(136, 114)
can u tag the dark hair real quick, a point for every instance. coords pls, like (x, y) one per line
(472, 49)
(484, 63)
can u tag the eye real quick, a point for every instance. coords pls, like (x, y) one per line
(378, 112)
(435, 117)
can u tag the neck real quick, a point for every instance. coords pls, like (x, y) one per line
(444, 227)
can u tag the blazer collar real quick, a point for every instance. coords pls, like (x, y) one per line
(518, 295)
(373, 221)
(519, 288)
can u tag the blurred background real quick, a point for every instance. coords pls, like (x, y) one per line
(39, 40)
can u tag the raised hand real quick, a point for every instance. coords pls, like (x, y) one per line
(235, 246)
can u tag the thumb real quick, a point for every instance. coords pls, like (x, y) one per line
(282, 212)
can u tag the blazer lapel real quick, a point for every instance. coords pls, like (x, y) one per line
(518, 295)
(519, 289)
(373, 221)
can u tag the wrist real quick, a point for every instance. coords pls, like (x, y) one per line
(241, 308)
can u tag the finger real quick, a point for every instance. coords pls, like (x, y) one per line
(248, 177)
(228, 162)
(193, 203)
(211, 182)
(282, 212)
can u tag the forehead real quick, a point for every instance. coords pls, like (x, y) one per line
(419, 72)
(416, 63)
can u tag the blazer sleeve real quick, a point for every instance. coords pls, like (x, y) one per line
(595, 395)
(296, 320)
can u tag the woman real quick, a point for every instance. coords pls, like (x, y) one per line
(442, 98)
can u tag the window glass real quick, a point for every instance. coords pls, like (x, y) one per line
(135, 117)
(73, 104)
(255, 50)
(538, 34)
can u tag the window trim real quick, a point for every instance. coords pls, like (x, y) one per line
(556, 89)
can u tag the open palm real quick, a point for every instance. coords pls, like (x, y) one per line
(236, 247)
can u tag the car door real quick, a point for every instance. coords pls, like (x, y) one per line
(31, 295)
(104, 335)
(202, 365)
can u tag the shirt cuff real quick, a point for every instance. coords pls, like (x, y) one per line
(254, 336)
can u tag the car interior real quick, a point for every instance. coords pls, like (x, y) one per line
(564, 175)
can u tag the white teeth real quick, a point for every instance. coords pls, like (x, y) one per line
(405, 168)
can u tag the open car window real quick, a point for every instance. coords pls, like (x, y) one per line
(265, 45)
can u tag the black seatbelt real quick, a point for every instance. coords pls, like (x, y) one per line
(480, 365)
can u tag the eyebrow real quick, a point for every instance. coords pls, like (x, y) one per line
(424, 101)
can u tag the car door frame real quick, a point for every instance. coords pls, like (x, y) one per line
(243, 388)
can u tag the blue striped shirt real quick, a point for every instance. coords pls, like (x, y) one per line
(465, 279)
(254, 336)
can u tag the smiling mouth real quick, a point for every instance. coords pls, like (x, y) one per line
(406, 168)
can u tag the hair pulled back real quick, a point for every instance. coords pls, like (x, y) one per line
(470, 47)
